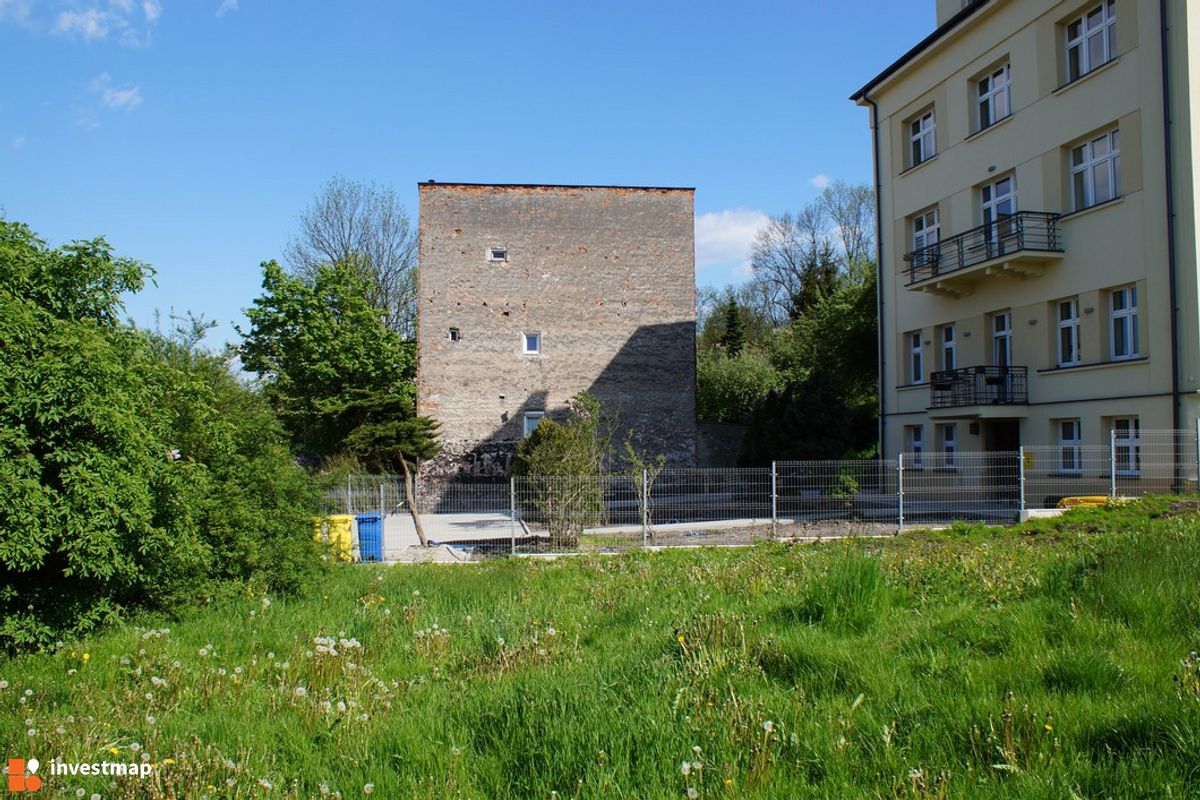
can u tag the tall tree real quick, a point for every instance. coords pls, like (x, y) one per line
(366, 227)
(319, 345)
(851, 210)
(734, 337)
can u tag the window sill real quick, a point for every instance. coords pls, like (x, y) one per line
(1096, 365)
(1072, 475)
(1093, 207)
(1111, 62)
(989, 128)
(916, 167)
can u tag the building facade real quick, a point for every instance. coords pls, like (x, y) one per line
(1037, 227)
(529, 295)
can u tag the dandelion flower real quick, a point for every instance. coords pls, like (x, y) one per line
(264, 783)
(768, 726)
(692, 793)
(368, 788)
(686, 768)
(696, 750)
(301, 691)
(86, 656)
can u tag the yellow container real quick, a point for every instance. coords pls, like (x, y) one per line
(1090, 501)
(335, 531)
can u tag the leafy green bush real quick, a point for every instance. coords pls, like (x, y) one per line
(727, 387)
(561, 465)
(134, 471)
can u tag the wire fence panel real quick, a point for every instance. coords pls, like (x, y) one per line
(941, 488)
(1055, 472)
(1154, 462)
(583, 513)
(707, 506)
(823, 498)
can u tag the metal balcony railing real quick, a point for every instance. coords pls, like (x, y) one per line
(1035, 231)
(978, 386)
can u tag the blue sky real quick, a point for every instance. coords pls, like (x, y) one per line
(191, 134)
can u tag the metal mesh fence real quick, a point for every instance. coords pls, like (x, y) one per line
(789, 499)
(818, 498)
(1153, 462)
(1055, 472)
(941, 488)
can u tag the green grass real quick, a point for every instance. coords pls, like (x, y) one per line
(1044, 661)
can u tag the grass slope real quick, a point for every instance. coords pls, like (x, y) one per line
(1038, 662)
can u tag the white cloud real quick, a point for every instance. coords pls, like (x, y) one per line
(17, 142)
(126, 97)
(97, 20)
(819, 181)
(724, 237)
(227, 6)
(90, 24)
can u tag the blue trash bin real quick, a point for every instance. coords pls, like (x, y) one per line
(370, 537)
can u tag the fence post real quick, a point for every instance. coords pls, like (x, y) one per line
(774, 501)
(645, 509)
(1021, 483)
(1112, 463)
(900, 493)
(349, 501)
(382, 501)
(512, 513)
(1198, 455)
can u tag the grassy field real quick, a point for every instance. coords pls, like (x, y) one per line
(1050, 661)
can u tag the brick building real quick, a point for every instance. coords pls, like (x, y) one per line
(528, 295)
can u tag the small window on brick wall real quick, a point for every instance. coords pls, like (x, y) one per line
(497, 254)
(454, 335)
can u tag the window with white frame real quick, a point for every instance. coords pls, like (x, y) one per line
(1067, 314)
(531, 343)
(497, 254)
(998, 203)
(922, 136)
(454, 334)
(993, 97)
(1127, 445)
(1069, 442)
(949, 348)
(926, 229)
(914, 443)
(1123, 316)
(531, 420)
(1002, 339)
(926, 233)
(948, 442)
(1091, 40)
(916, 362)
(1096, 170)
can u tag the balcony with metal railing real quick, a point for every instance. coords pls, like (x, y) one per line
(1017, 246)
(982, 386)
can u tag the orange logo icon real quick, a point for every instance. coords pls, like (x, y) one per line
(21, 777)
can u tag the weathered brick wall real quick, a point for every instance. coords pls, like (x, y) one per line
(606, 275)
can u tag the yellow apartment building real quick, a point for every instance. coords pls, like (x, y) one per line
(1037, 191)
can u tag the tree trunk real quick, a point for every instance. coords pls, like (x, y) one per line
(410, 501)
